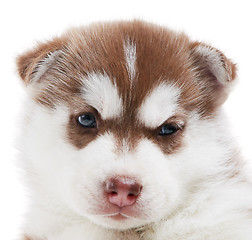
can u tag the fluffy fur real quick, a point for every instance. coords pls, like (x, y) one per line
(134, 78)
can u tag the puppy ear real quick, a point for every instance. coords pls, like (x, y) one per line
(215, 72)
(33, 64)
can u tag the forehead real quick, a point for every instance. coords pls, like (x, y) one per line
(121, 69)
(157, 106)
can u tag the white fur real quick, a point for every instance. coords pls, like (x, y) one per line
(130, 57)
(159, 105)
(100, 93)
(190, 190)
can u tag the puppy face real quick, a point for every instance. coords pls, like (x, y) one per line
(123, 122)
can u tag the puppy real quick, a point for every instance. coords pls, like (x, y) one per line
(124, 138)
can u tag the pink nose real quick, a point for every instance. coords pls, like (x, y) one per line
(122, 192)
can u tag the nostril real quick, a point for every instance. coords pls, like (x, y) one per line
(135, 189)
(113, 193)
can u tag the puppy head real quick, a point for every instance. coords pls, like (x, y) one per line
(123, 121)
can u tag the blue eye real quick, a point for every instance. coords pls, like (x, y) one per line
(168, 129)
(87, 120)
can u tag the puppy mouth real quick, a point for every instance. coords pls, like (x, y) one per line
(117, 216)
(117, 213)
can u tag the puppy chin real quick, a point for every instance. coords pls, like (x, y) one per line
(117, 221)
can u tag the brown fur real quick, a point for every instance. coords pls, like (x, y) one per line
(162, 56)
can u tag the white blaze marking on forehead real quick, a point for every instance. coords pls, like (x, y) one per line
(130, 57)
(159, 105)
(100, 93)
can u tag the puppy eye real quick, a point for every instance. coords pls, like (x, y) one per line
(168, 129)
(87, 120)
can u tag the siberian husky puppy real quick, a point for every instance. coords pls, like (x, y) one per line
(125, 138)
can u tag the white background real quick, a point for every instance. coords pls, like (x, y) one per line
(226, 25)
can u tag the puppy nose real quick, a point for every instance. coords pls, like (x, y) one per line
(122, 192)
